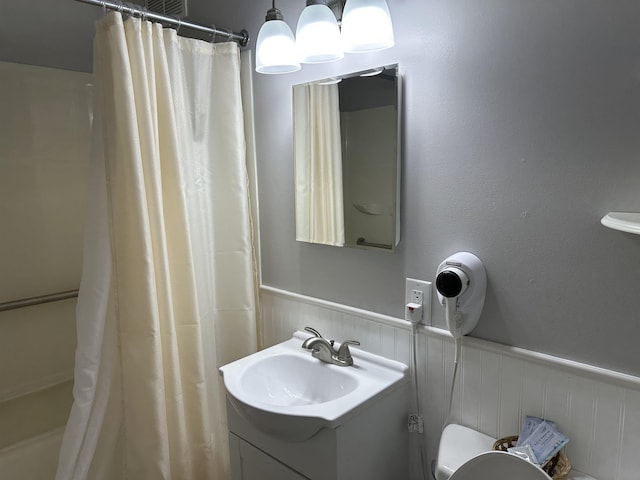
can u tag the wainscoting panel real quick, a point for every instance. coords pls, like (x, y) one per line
(497, 385)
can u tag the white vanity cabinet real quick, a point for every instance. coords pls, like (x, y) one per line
(294, 416)
(373, 444)
(250, 463)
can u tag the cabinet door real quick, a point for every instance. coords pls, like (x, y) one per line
(250, 463)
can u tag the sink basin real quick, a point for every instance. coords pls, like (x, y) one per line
(285, 392)
(288, 380)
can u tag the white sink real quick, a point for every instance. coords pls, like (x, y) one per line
(285, 392)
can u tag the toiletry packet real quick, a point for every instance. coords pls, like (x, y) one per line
(528, 426)
(546, 441)
(525, 452)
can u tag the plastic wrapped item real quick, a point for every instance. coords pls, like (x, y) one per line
(525, 452)
(546, 441)
(529, 425)
(558, 468)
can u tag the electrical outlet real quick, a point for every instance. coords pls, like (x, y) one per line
(417, 296)
(419, 291)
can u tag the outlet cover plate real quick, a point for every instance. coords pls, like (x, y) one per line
(425, 287)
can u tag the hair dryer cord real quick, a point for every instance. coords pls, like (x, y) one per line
(456, 360)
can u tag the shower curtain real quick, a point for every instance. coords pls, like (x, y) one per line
(318, 165)
(167, 291)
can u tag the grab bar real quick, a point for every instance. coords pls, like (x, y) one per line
(362, 242)
(28, 302)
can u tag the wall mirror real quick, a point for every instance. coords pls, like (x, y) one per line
(347, 159)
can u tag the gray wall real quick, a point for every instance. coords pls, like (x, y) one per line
(521, 130)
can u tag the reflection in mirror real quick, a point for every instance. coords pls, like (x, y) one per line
(347, 159)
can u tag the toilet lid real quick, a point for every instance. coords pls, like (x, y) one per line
(497, 466)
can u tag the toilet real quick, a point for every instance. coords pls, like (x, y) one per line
(466, 454)
(495, 465)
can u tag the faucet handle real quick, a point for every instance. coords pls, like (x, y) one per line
(343, 352)
(313, 330)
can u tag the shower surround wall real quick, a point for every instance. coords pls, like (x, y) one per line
(44, 151)
(497, 385)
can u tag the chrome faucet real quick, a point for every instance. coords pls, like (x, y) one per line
(323, 350)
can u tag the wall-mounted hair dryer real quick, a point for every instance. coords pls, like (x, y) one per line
(461, 282)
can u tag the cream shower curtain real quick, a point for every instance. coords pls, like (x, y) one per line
(318, 165)
(167, 292)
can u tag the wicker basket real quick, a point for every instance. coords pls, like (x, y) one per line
(557, 468)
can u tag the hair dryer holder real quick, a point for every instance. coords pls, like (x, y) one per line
(461, 284)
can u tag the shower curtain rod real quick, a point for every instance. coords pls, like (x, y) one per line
(241, 37)
(29, 302)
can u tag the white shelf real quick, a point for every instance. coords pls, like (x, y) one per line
(624, 221)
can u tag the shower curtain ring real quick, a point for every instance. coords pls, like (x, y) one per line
(225, 32)
(119, 7)
(128, 10)
(179, 22)
(214, 32)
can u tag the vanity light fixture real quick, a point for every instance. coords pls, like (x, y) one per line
(275, 46)
(318, 35)
(366, 27)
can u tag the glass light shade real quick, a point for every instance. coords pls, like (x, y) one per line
(276, 49)
(366, 26)
(318, 35)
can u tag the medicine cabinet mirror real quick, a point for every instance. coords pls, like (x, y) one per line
(347, 159)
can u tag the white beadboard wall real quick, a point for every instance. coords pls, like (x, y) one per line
(497, 385)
